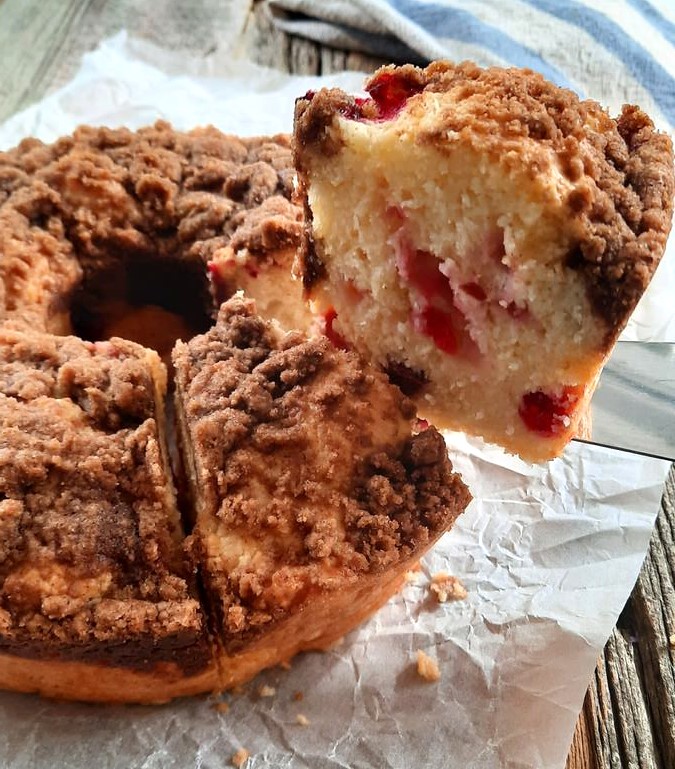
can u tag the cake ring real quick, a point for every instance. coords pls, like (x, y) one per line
(147, 553)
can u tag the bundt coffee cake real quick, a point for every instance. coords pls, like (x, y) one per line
(109, 234)
(483, 236)
(312, 496)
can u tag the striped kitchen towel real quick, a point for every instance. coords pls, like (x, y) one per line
(615, 51)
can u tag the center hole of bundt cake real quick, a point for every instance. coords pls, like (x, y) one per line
(152, 302)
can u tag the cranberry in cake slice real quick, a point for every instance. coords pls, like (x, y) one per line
(483, 236)
(96, 599)
(312, 494)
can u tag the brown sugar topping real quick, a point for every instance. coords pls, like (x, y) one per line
(305, 457)
(622, 170)
(104, 198)
(447, 588)
(90, 559)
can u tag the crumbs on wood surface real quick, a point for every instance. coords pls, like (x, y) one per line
(221, 707)
(302, 719)
(298, 696)
(447, 588)
(671, 641)
(427, 668)
(266, 691)
(240, 758)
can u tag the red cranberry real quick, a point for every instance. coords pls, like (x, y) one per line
(437, 325)
(390, 92)
(547, 414)
(420, 270)
(475, 290)
(336, 339)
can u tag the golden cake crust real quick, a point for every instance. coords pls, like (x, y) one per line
(621, 171)
(155, 684)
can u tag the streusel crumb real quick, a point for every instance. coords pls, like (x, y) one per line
(447, 588)
(240, 758)
(427, 668)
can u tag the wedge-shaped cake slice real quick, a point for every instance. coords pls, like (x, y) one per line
(483, 236)
(96, 602)
(312, 494)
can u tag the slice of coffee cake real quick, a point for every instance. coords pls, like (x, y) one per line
(483, 236)
(96, 602)
(312, 495)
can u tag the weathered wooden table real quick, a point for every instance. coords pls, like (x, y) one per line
(628, 719)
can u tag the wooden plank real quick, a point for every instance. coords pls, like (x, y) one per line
(264, 43)
(42, 41)
(653, 609)
(32, 33)
(630, 706)
(582, 753)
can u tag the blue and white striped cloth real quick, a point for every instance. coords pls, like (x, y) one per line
(615, 51)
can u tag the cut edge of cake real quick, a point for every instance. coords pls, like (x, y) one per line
(495, 311)
(288, 547)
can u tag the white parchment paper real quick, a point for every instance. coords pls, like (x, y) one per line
(548, 553)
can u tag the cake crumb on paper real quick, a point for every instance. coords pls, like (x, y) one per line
(447, 588)
(427, 668)
(671, 641)
(266, 691)
(240, 758)
(302, 719)
(298, 696)
(221, 707)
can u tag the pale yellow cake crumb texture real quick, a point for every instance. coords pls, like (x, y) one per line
(385, 195)
(267, 691)
(427, 668)
(302, 720)
(240, 758)
(671, 641)
(447, 588)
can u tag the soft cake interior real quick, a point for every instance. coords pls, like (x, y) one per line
(435, 264)
(483, 236)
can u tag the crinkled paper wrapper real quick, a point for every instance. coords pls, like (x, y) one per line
(548, 553)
